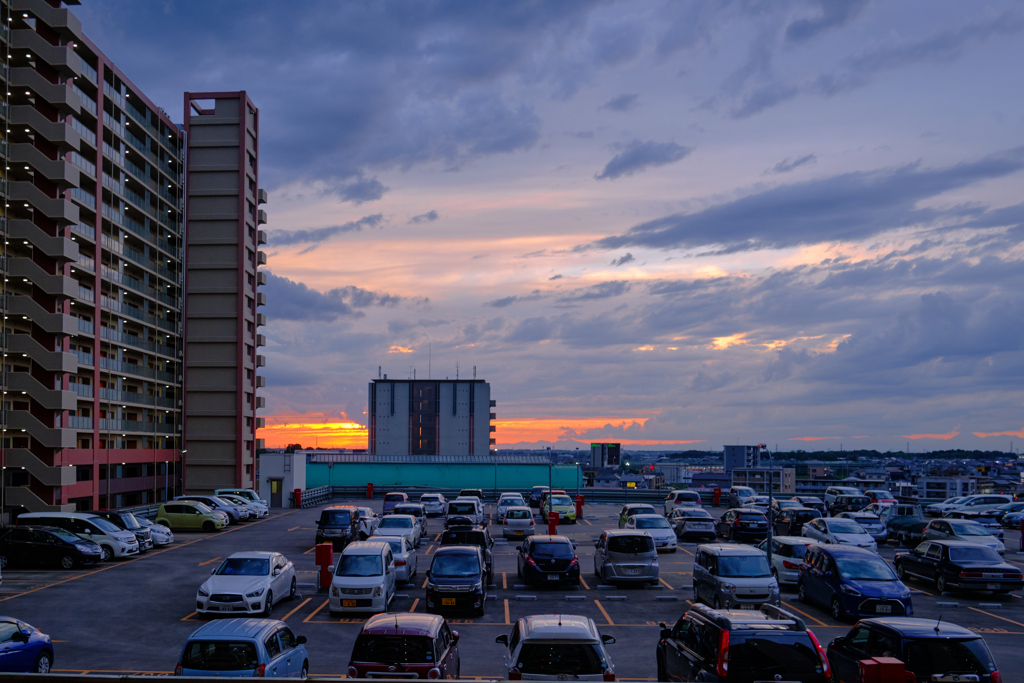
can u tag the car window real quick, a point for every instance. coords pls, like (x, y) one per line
(882, 645)
(630, 544)
(461, 564)
(976, 554)
(691, 639)
(513, 639)
(934, 551)
(244, 566)
(8, 630)
(858, 639)
(865, 568)
(554, 549)
(929, 656)
(743, 566)
(273, 647)
(220, 655)
(393, 649)
(336, 517)
(791, 655)
(546, 658)
(287, 639)
(359, 565)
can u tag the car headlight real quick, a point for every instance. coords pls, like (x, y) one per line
(335, 591)
(849, 590)
(728, 587)
(203, 592)
(479, 586)
(431, 586)
(775, 588)
(905, 594)
(256, 593)
(378, 591)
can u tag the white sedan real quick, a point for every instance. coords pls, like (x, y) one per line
(405, 557)
(247, 583)
(509, 500)
(256, 510)
(839, 530)
(400, 525)
(658, 527)
(161, 534)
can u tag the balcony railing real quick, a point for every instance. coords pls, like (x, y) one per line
(83, 357)
(84, 197)
(77, 422)
(137, 342)
(80, 389)
(86, 294)
(85, 326)
(137, 313)
(86, 263)
(84, 231)
(88, 102)
(89, 72)
(81, 162)
(129, 397)
(132, 369)
(109, 91)
(134, 426)
(113, 124)
(113, 154)
(88, 134)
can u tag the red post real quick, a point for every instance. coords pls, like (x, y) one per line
(552, 522)
(718, 495)
(1022, 535)
(369, 490)
(882, 670)
(298, 498)
(579, 507)
(325, 560)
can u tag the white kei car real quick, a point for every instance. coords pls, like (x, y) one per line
(247, 583)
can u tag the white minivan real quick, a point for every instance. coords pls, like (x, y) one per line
(364, 578)
(113, 540)
(466, 507)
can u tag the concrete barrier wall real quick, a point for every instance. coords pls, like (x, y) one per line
(453, 476)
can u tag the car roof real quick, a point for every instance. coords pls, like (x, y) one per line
(859, 513)
(234, 628)
(394, 516)
(340, 507)
(62, 515)
(457, 550)
(404, 624)
(253, 554)
(794, 540)
(649, 515)
(466, 499)
(729, 549)
(559, 627)
(923, 628)
(802, 509)
(369, 547)
(633, 506)
(954, 544)
(626, 532)
(548, 538)
(837, 550)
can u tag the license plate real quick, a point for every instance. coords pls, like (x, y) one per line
(448, 602)
(226, 608)
(631, 571)
(348, 603)
(519, 532)
(553, 577)
(883, 609)
(992, 586)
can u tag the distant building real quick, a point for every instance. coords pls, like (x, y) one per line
(741, 456)
(430, 417)
(757, 478)
(605, 454)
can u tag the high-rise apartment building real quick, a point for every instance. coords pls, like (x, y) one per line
(92, 261)
(223, 260)
(430, 417)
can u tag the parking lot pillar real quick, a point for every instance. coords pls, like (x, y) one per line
(552, 523)
(369, 490)
(298, 497)
(718, 495)
(325, 560)
(579, 507)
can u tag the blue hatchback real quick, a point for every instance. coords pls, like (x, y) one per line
(852, 582)
(23, 648)
(259, 648)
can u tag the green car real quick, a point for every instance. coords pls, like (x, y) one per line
(184, 515)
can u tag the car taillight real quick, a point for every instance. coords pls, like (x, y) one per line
(177, 670)
(995, 677)
(259, 671)
(575, 561)
(970, 575)
(609, 675)
(821, 652)
(399, 563)
(790, 565)
(529, 561)
(514, 675)
(505, 521)
(353, 672)
(434, 673)
(532, 523)
(722, 665)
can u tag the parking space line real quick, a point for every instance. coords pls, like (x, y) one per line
(307, 552)
(506, 612)
(438, 537)
(606, 617)
(189, 617)
(995, 615)
(294, 528)
(584, 584)
(301, 605)
(322, 605)
(816, 620)
(686, 551)
(665, 583)
(414, 603)
(504, 582)
(208, 562)
(424, 583)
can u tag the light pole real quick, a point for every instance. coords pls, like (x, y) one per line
(771, 482)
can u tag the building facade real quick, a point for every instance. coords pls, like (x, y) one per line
(782, 479)
(222, 297)
(92, 259)
(430, 417)
(605, 454)
(741, 456)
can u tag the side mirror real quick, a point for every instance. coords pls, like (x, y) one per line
(25, 635)
(519, 547)
(607, 640)
(277, 571)
(841, 640)
(666, 633)
(301, 640)
(428, 573)
(455, 636)
(597, 544)
(502, 640)
(213, 571)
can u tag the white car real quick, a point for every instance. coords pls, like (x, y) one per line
(405, 557)
(658, 527)
(570, 647)
(518, 522)
(936, 509)
(401, 525)
(871, 524)
(787, 557)
(161, 534)
(256, 510)
(247, 583)
(962, 530)
(434, 503)
(368, 521)
(980, 503)
(509, 500)
(833, 492)
(681, 498)
(838, 530)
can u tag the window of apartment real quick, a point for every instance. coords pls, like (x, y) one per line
(252, 186)
(251, 279)
(248, 399)
(248, 374)
(249, 350)
(248, 422)
(249, 326)
(252, 162)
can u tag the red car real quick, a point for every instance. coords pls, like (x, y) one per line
(880, 496)
(405, 643)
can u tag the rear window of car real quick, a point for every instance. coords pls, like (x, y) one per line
(387, 649)
(391, 522)
(461, 508)
(796, 550)
(336, 517)
(518, 514)
(770, 655)
(390, 497)
(929, 656)
(580, 659)
(407, 510)
(463, 537)
(750, 516)
(801, 517)
(556, 550)
(630, 544)
(219, 655)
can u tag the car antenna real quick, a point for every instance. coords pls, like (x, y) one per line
(559, 619)
(396, 621)
(938, 623)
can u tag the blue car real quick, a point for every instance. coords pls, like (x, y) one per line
(23, 648)
(256, 648)
(852, 582)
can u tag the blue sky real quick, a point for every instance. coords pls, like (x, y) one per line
(667, 223)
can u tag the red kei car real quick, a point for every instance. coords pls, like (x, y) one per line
(405, 643)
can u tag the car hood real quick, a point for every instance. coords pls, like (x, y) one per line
(394, 532)
(357, 581)
(660, 533)
(854, 539)
(455, 580)
(159, 529)
(878, 589)
(234, 584)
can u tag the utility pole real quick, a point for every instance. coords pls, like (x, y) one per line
(771, 482)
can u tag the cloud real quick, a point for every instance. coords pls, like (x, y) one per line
(314, 236)
(358, 190)
(602, 290)
(851, 206)
(427, 217)
(290, 300)
(509, 300)
(532, 330)
(785, 166)
(637, 156)
(615, 44)
(834, 14)
(623, 260)
(622, 103)
(556, 277)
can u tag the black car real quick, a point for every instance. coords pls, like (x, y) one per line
(548, 561)
(338, 525)
(1001, 511)
(456, 581)
(790, 521)
(536, 494)
(959, 564)
(927, 647)
(742, 525)
(740, 646)
(127, 521)
(849, 504)
(471, 535)
(46, 545)
(812, 502)
(778, 505)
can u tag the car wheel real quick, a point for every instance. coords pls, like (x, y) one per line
(304, 674)
(801, 592)
(662, 673)
(837, 610)
(940, 583)
(717, 604)
(107, 554)
(270, 604)
(901, 572)
(3, 562)
(209, 526)
(67, 562)
(43, 663)
(291, 591)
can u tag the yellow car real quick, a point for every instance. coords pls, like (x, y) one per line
(563, 505)
(185, 515)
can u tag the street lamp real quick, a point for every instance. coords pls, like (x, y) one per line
(771, 482)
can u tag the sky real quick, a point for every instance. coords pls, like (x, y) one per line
(672, 224)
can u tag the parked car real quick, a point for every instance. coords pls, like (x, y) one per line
(833, 492)
(895, 517)
(506, 501)
(880, 496)
(658, 527)
(128, 522)
(739, 495)
(790, 521)
(24, 648)
(418, 645)
(779, 504)
(910, 534)
(839, 531)
(870, 523)
(958, 564)
(364, 578)
(742, 525)
(113, 540)
(985, 518)
(759, 503)
(553, 492)
(681, 498)
(391, 500)
(417, 511)
(235, 513)
(560, 503)
(692, 524)
(549, 647)
(247, 582)
(977, 503)
(477, 536)
(1000, 511)
(248, 494)
(812, 502)
(548, 560)
(631, 509)
(962, 530)
(517, 522)
(434, 503)
(536, 494)
(848, 504)
(368, 522)
(932, 650)
(257, 510)
(466, 507)
(47, 546)
(255, 648)
(726, 576)
(1012, 520)
(338, 525)
(852, 582)
(401, 525)
(161, 535)
(472, 493)
(625, 555)
(406, 561)
(936, 509)
(741, 645)
(457, 581)
(189, 516)
(787, 557)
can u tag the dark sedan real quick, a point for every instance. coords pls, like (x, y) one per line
(959, 564)
(790, 521)
(849, 504)
(743, 525)
(47, 546)
(548, 560)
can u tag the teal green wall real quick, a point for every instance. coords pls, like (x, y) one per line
(454, 476)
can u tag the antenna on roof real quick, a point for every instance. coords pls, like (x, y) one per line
(396, 620)
(938, 623)
(559, 619)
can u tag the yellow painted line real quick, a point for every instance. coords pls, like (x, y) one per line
(307, 552)
(294, 528)
(208, 562)
(665, 584)
(796, 609)
(587, 522)
(301, 605)
(996, 616)
(438, 537)
(685, 551)
(430, 549)
(424, 583)
(606, 617)
(414, 603)
(504, 582)
(322, 605)
(690, 602)
(584, 583)
(506, 612)
(189, 617)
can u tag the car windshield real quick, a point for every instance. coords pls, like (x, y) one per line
(864, 569)
(219, 655)
(518, 514)
(388, 649)
(336, 517)
(788, 504)
(67, 536)
(405, 510)
(949, 501)
(978, 553)
(430, 498)
(359, 565)
(969, 529)
(782, 654)
(704, 514)
(129, 520)
(392, 522)
(455, 565)
(743, 566)
(652, 523)
(244, 566)
(555, 549)
(204, 509)
(393, 497)
(511, 500)
(751, 516)
(630, 544)
(642, 510)
(929, 656)
(844, 526)
(105, 524)
(804, 516)
(560, 500)
(552, 659)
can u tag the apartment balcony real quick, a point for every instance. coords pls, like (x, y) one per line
(54, 323)
(50, 437)
(57, 171)
(261, 278)
(60, 57)
(261, 381)
(261, 299)
(261, 319)
(494, 416)
(46, 474)
(57, 132)
(261, 258)
(261, 340)
(60, 20)
(261, 422)
(59, 248)
(52, 361)
(261, 196)
(493, 403)
(260, 402)
(493, 428)
(261, 237)
(51, 399)
(261, 361)
(108, 425)
(55, 208)
(261, 217)
(58, 286)
(63, 98)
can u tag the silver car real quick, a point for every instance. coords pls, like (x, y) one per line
(518, 522)
(728, 575)
(434, 503)
(626, 555)
(405, 557)
(871, 523)
(508, 500)
(658, 527)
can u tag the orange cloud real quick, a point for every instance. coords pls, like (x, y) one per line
(813, 438)
(401, 349)
(720, 343)
(527, 430)
(944, 437)
(326, 430)
(645, 347)
(984, 435)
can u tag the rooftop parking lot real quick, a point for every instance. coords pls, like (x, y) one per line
(133, 616)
